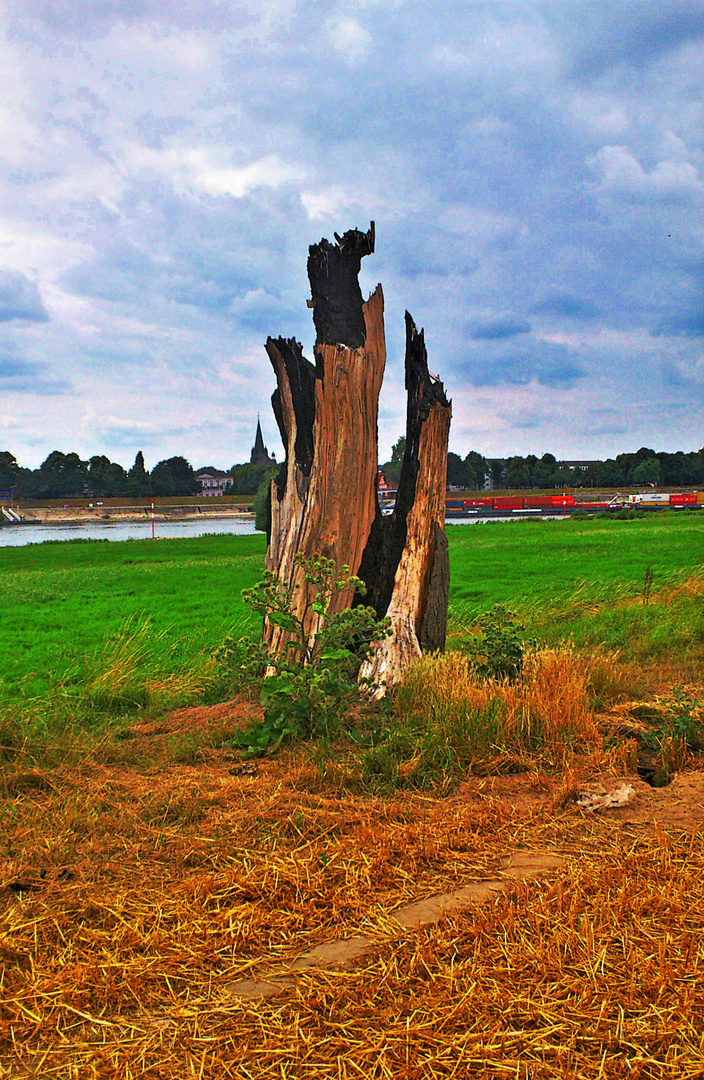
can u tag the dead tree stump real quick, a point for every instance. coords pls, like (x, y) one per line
(325, 500)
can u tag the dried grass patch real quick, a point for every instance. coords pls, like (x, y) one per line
(186, 880)
(686, 585)
(547, 708)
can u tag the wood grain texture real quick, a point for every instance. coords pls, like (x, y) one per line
(412, 580)
(330, 511)
(324, 500)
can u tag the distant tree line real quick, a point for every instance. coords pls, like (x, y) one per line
(469, 473)
(67, 476)
(644, 467)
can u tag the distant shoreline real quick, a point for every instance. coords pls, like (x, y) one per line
(100, 515)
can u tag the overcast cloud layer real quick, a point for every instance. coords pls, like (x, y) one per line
(534, 170)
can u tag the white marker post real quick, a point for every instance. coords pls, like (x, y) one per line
(152, 502)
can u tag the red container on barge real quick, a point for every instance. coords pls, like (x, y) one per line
(508, 502)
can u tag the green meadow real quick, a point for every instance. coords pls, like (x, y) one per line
(63, 601)
(156, 610)
(534, 561)
(635, 586)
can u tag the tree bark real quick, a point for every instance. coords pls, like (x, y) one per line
(324, 500)
(406, 559)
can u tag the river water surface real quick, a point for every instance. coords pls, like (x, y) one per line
(20, 535)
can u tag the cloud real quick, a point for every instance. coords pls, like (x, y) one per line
(542, 364)
(620, 173)
(499, 328)
(21, 375)
(19, 298)
(269, 172)
(602, 36)
(685, 324)
(123, 432)
(42, 388)
(90, 19)
(32, 382)
(11, 366)
(197, 168)
(565, 305)
(348, 37)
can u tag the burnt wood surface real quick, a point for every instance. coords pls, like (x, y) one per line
(325, 500)
(388, 535)
(333, 271)
(300, 376)
(418, 576)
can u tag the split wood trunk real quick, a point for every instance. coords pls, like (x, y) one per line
(325, 500)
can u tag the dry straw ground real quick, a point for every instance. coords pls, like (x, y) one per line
(158, 885)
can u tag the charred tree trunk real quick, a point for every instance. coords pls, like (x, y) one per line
(325, 500)
(405, 565)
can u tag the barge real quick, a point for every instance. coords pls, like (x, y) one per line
(563, 504)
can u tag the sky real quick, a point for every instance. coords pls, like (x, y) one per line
(534, 169)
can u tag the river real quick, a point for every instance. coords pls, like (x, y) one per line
(20, 535)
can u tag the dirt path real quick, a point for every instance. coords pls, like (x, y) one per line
(346, 952)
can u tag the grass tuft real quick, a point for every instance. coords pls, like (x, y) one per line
(446, 722)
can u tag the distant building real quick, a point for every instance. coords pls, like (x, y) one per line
(260, 454)
(385, 485)
(495, 473)
(213, 481)
(578, 466)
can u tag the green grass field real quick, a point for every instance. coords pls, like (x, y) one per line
(598, 582)
(61, 602)
(528, 561)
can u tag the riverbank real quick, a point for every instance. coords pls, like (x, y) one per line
(101, 513)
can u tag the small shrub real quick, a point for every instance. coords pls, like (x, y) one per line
(679, 731)
(260, 503)
(495, 647)
(647, 585)
(240, 664)
(627, 514)
(310, 686)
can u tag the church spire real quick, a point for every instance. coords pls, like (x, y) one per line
(260, 454)
(259, 447)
